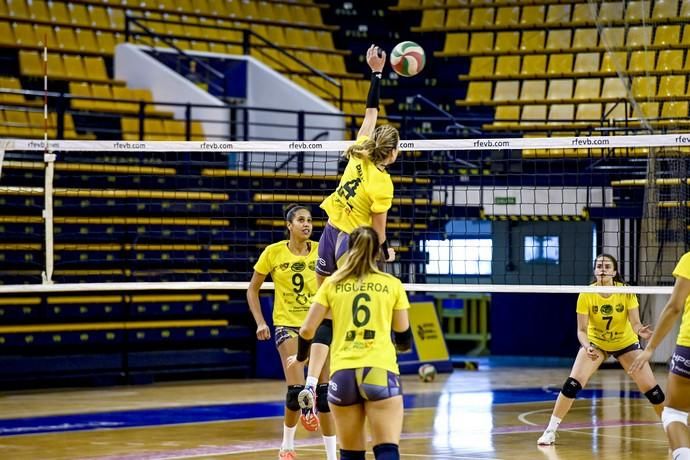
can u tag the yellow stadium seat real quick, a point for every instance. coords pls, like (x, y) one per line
(39, 11)
(479, 91)
(24, 34)
(11, 83)
(615, 111)
(590, 112)
(86, 38)
(291, 37)
(642, 61)
(533, 63)
(18, 123)
(7, 34)
(79, 15)
(665, 9)
(458, 17)
(507, 41)
(586, 62)
(646, 110)
(558, 39)
(506, 115)
(37, 124)
(613, 87)
(174, 130)
(106, 42)
(481, 41)
(83, 90)
(456, 43)
(584, 38)
(643, 87)
(533, 114)
(533, 90)
(532, 40)
(45, 33)
(532, 14)
(18, 9)
(672, 85)
(507, 16)
(130, 128)
(3, 9)
(313, 15)
(104, 92)
(587, 88)
(685, 9)
(66, 39)
(639, 36)
(481, 66)
(30, 64)
(612, 37)
(686, 34)
(56, 68)
(154, 130)
(507, 65)
(220, 8)
(117, 18)
(99, 16)
(667, 35)
(637, 10)
(558, 14)
(95, 68)
(482, 16)
(124, 95)
(561, 113)
(584, 12)
(433, 19)
(670, 60)
(560, 89)
(676, 109)
(59, 12)
(74, 67)
(560, 63)
(611, 11)
(506, 90)
(614, 61)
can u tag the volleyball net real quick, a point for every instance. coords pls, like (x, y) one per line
(477, 214)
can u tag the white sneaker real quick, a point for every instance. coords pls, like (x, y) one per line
(547, 439)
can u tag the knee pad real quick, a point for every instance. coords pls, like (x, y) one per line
(386, 452)
(571, 388)
(322, 397)
(670, 415)
(655, 395)
(352, 454)
(324, 333)
(291, 400)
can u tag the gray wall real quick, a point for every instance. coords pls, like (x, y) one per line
(575, 265)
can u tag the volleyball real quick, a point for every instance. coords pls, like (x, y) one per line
(427, 372)
(407, 59)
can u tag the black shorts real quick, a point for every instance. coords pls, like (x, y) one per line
(618, 353)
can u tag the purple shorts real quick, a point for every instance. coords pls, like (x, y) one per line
(680, 361)
(283, 333)
(332, 246)
(354, 386)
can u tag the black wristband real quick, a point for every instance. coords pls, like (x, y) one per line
(303, 346)
(403, 340)
(384, 249)
(374, 90)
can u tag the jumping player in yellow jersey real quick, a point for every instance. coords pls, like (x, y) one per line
(366, 305)
(291, 264)
(363, 197)
(607, 324)
(675, 415)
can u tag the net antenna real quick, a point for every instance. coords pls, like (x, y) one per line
(49, 159)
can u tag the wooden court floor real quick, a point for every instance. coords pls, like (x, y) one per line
(485, 414)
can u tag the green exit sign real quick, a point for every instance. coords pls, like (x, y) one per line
(505, 200)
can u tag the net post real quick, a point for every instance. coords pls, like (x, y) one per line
(49, 159)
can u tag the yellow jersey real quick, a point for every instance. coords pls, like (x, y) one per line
(683, 270)
(609, 327)
(364, 189)
(294, 278)
(362, 316)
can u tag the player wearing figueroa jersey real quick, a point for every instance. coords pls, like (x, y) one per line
(675, 415)
(607, 324)
(291, 264)
(366, 305)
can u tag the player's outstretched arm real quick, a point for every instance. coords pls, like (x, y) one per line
(376, 58)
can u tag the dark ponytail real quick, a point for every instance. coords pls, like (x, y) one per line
(291, 210)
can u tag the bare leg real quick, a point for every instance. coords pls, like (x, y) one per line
(644, 378)
(349, 422)
(678, 397)
(326, 418)
(385, 420)
(293, 376)
(583, 368)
